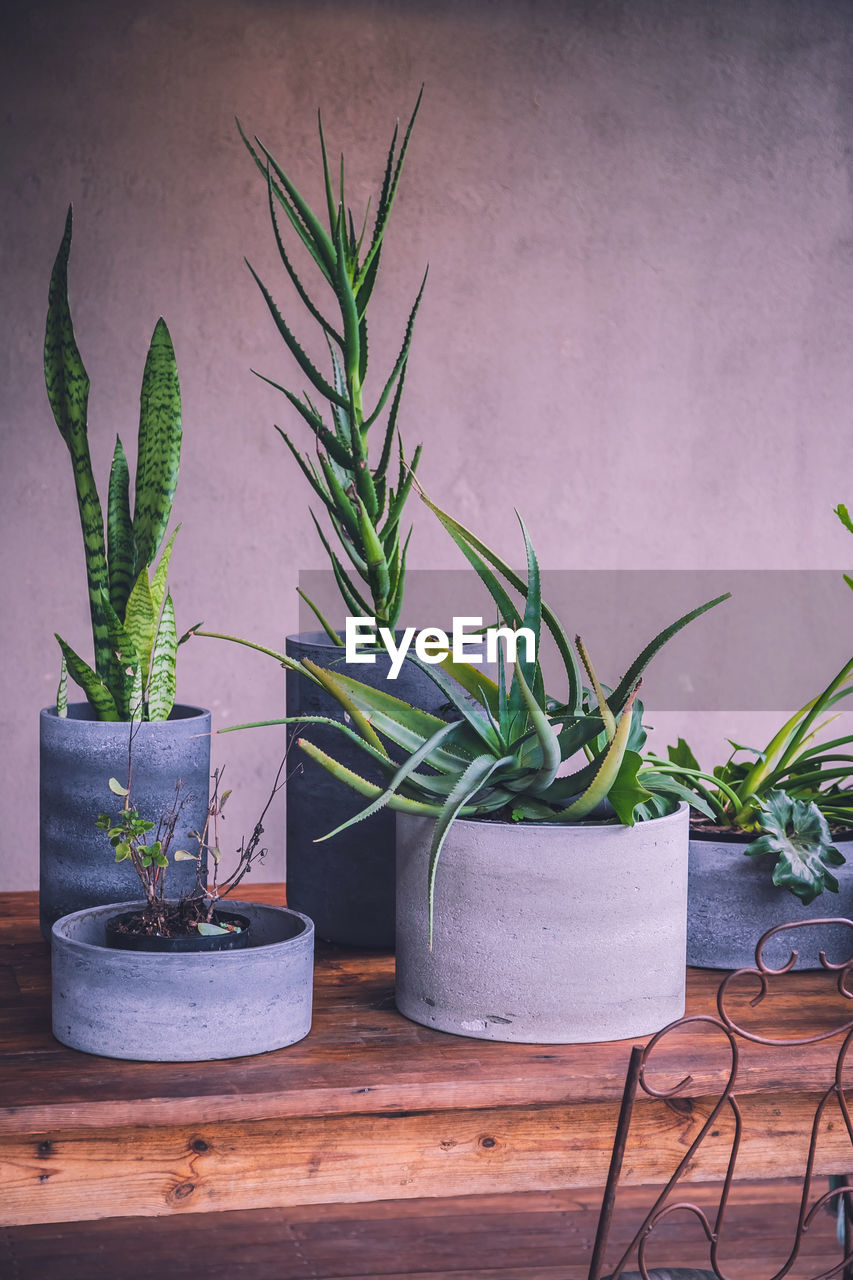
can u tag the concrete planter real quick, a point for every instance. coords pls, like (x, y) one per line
(190, 1007)
(732, 901)
(77, 757)
(544, 934)
(346, 885)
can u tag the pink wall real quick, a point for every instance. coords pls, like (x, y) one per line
(637, 327)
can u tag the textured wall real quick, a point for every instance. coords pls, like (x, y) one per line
(637, 326)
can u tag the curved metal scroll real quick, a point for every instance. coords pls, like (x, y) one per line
(732, 1032)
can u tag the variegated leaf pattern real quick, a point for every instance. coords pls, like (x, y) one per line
(62, 689)
(140, 621)
(68, 392)
(158, 582)
(90, 682)
(159, 450)
(119, 531)
(125, 665)
(161, 683)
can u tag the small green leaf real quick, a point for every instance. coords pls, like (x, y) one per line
(681, 755)
(209, 930)
(117, 789)
(122, 851)
(798, 834)
(183, 855)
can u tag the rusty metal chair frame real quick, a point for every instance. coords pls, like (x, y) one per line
(636, 1080)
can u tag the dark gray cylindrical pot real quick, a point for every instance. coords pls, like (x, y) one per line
(346, 884)
(190, 1007)
(77, 758)
(732, 901)
(544, 934)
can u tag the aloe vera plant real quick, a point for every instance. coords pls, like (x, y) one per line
(785, 796)
(363, 509)
(502, 752)
(133, 618)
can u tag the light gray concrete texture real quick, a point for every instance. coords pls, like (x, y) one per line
(636, 329)
(77, 758)
(187, 1007)
(732, 902)
(544, 934)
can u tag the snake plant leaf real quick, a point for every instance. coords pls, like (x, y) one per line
(120, 551)
(161, 683)
(62, 690)
(469, 783)
(799, 835)
(125, 668)
(67, 386)
(159, 451)
(158, 581)
(94, 687)
(402, 358)
(140, 620)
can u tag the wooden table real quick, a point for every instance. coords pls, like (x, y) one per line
(369, 1107)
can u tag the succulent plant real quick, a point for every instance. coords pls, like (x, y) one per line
(502, 753)
(789, 791)
(362, 507)
(133, 618)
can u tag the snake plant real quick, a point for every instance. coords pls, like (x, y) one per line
(133, 618)
(502, 751)
(363, 509)
(786, 795)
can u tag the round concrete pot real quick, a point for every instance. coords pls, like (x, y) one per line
(190, 1007)
(544, 934)
(346, 885)
(732, 901)
(77, 758)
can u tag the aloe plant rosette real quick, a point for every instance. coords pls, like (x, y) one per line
(516, 801)
(130, 683)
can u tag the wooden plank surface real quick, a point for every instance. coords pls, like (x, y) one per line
(370, 1106)
(529, 1236)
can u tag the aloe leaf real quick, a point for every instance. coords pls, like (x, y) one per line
(289, 664)
(326, 437)
(119, 532)
(323, 621)
(159, 451)
(469, 542)
(618, 699)
(308, 471)
(844, 516)
(67, 386)
(329, 682)
(361, 785)
(469, 783)
(606, 714)
(62, 690)
(378, 576)
(608, 772)
(474, 681)
(352, 597)
(391, 428)
(288, 266)
(401, 358)
(398, 501)
(349, 314)
(302, 217)
(531, 620)
(161, 683)
(480, 724)
(549, 747)
(311, 372)
(389, 191)
(90, 682)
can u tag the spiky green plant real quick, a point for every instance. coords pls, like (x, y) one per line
(502, 751)
(362, 508)
(785, 795)
(133, 618)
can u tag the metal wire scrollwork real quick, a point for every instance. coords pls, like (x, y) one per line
(733, 1031)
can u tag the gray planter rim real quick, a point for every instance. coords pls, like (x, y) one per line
(223, 958)
(180, 711)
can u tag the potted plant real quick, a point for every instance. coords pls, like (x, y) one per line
(348, 889)
(773, 848)
(532, 904)
(188, 979)
(132, 676)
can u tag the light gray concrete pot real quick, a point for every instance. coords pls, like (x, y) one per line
(732, 901)
(77, 758)
(346, 885)
(189, 1007)
(544, 934)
